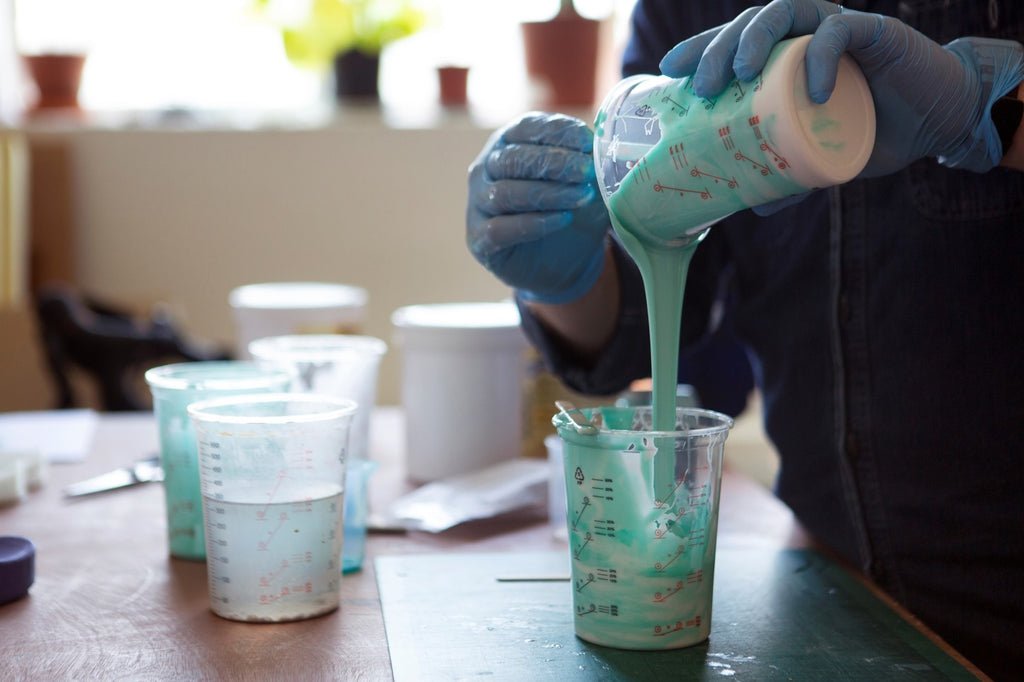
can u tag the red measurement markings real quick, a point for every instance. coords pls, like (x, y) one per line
(662, 597)
(678, 156)
(662, 630)
(696, 538)
(780, 161)
(301, 461)
(704, 194)
(760, 167)
(662, 566)
(262, 513)
(641, 174)
(269, 579)
(270, 598)
(753, 121)
(661, 503)
(730, 182)
(263, 545)
(726, 137)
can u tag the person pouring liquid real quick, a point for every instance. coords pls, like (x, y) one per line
(881, 318)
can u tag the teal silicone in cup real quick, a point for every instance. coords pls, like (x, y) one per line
(174, 387)
(642, 517)
(357, 478)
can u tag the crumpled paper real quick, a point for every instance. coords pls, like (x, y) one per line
(439, 505)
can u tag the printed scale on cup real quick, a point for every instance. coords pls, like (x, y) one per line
(593, 530)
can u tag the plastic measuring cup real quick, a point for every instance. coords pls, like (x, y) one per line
(342, 365)
(670, 163)
(357, 477)
(642, 511)
(272, 469)
(345, 366)
(173, 388)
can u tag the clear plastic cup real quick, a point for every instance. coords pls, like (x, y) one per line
(642, 518)
(174, 387)
(272, 469)
(345, 366)
(670, 163)
(342, 365)
(357, 480)
(556, 486)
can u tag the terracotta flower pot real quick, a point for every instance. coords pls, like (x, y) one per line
(57, 78)
(452, 81)
(563, 53)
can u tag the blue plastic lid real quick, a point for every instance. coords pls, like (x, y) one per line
(17, 567)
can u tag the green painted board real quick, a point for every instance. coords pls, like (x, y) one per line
(790, 615)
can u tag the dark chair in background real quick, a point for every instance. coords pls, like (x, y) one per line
(110, 345)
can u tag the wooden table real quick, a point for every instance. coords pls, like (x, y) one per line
(108, 603)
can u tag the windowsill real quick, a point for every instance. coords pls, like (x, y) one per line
(371, 115)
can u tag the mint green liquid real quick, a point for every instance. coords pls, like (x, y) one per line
(642, 568)
(184, 506)
(714, 157)
(174, 388)
(643, 519)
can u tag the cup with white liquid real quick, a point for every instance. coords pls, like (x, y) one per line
(272, 472)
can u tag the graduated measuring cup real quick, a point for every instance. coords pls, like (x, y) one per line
(342, 365)
(345, 366)
(642, 516)
(670, 163)
(272, 469)
(173, 388)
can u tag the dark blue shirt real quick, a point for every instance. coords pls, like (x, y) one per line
(885, 325)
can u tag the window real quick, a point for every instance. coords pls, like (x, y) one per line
(217, 56)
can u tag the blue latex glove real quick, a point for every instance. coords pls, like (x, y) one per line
(535, 217)
(930, 100)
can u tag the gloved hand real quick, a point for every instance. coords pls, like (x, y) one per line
(535, 217)
(930, 100)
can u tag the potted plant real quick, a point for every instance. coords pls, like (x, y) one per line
(346, 36)
(562, 53)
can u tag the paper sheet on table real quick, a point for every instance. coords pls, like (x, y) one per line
(61, 435)
(439, 505)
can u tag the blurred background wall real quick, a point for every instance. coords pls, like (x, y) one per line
(184, 217)
(202, 155)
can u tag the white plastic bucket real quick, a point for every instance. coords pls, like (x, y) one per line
(462, 372)
(283, 308)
